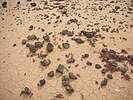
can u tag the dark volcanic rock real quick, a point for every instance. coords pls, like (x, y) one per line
(27, 45)
(26, 91)
(50, 47)
(69, 89)
(46, 37)
(88, 34)
(109, 76)
(72, 76)
(24, 41)
(104, 82)
(45, 62)
(72, 21)
(65, 80)
(32, 48)
(69, 33)
(104, 71)
(43, 54)
(42, 82)
(89, 63)
(97, 66)
(113, 63)
(33, 4)
(4, 4)
(60, 69)
(71, 60)
(51, 74)
(79, 40)
(66, 45)
(32, 37)
(38, 44)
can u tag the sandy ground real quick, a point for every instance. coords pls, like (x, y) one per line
(17, 70)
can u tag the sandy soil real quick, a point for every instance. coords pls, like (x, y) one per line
(18, 69)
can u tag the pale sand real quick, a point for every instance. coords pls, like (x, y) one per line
(12, 79)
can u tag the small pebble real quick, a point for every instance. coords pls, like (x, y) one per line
(97, 66)
(4, 4)
(38, 44)
(104, 82)
(32, 37)
(33, 4)
(109, 76)
(66, 45)
(32, 48)
(71, 60)
(42, 82)
(69, 89)
(88, 34)
(24, 41)
(45, 62)
(79, 40)
(50, 47)
(103, 71)
(60, 69)
(46, 37)
(43, 54)
(72, 76)
(27, 45)
(65, 80)
(51, 74)
(89, 63)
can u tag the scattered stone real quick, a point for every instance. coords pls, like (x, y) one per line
(66, 45)
(66, 32)
(113, 63)
(4, 4)
(97, 66)
(69, 33)
(104, 82)
(64, 11)
(32, 48)
(41, 82)
(88, 34)
(72, 76)
(104, 71)
(33, 4)
(18, 2)
(85, 55)
(65, 80)
(69, 89)
(123, 70)
(24, 41)
(79, 40)
(72, 21)
(32, 37)
(26, 91)
(27, 45)
(50, 47)
(45, 62)
(89, 63)
(60, 69)
(45, 2)
(38, 44)
(61, 6)
(43, 54)
(31, 27)
(71, 60)
(51, 74)
(109, 76)
(14, 45)
(46, 37)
